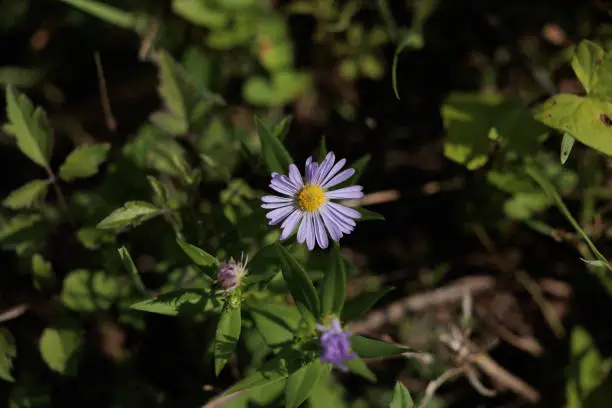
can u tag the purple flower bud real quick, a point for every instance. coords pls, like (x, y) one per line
(230, 274)
(335, 345)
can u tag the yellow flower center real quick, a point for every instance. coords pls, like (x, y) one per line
(310, 198)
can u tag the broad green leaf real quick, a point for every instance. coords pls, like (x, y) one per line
(587, 120)
(567, 144)
(274, 153)
(359, 367)
(173, 90)
(131, 268)
(401, 397)
(84, 161)
(301, 383)
(357, 307)
(42, 272)
(8, 351)
(370, 348)
(271, 372)
(89, 291)
(300, 287)
(59, 347)
(368, 215)
(327, 393)
(131, 214)
(29, 126)
(227, 335)
(173, 303)
(468, 119)
(275, 322)
(104, 12)
(333, 287)
(27, 195)
(197, 255)
(584, 63)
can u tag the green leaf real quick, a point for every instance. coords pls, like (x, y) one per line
(370, 348)
(359, 165)
(59, 347)
(593, 67)
(357, 307)
(275, 322)
(131, 214)
(131, 268)
(271, 372)
(281, 129)
(594, 262)
(42, 273)
(274, 153)
(567, 144)
(200, 13)
(29, 126)
(173, 303)
(411, 39)
(301, 383)
(160, 193)
(27, 195)
(322, 150)
(173, 90)
(89, 291)
(333, 287)
(586, 119)
(197, 255)
(84, 161)
(401, 397)
(104, 12)
(368, 215)
(300, 287)
(359, 367)
(227, 335)
(8, 351)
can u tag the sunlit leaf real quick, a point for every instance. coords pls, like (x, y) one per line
(401, 397)
(131, 214)
(84, 161)
(8, 351)
(59, 347)
(301, 383)
(173, 303)
(27, 195)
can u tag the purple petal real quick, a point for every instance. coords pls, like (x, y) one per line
(326, 165)
(295, 176)
(343, 176)
(285, 183)
(320, 232)
(279, 214)
(301, 235)
(346, 193)
(273, 206)
(333, 171)
(275, 199)
(349, 212)
(310, 233)
(332, 227)
(290, 223)
(344, 224)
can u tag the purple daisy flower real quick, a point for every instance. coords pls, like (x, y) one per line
(231, 273)
(335, 345)
(306, 202)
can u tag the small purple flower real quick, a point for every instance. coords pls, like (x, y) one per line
(335, 345)
(307, 202)
(231, 273)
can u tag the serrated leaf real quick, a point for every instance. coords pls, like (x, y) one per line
(401, 397)
(59, 347)
(368, 215)
(359, 367)
(333, 287)
(89, 291)
(27, 195)
(173, 303)
(83, 161)
(29, 126)
(8, 351)
(357, 307)
(586, 119)
(133, 271)
(567, 144)
(300, 286)
(275, 155)
(197, 255)
(226, 337)
(130, 214)
(301, 383)
(42, 273)
(369, 348)
(104, 12)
